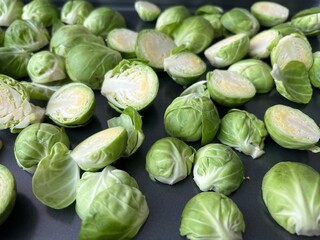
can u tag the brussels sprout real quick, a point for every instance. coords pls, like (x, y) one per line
(88, 63)
(192, 117)
(262, 43)
(102, 20)
(211, 215)
(198, 88)
(229, 88)
(291, 128)
(72, 105)
(208, 9)
(42, 11)
(195, 33)
(14, 62)
(291, 193)
(131, 83)
(123, 40)
(10, 10)
(269, 13)
(307, 21)
(112, 143)
(92, 183)
(154, 47)
(54, 181)
(291, 60)
(228, 51)
(46, 67)
(17, 112)
(240, 20)
(184, 67)
(243, 131)
(217, 167)
(75, 12)
(257, 71)
(147, 11)
(35, 143)
(169, 160)
(8, 193)
(132, 122)
(287, 29)
(69, 36)
(314, 71)
(26, 34)
(171, 18)
(115, 213)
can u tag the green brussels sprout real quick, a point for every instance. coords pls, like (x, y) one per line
(35, 143)
(171, 18)
(291, 128)
(291, 193)
(46, 67)
(192, 117)
(131, 83)
(208, 9)
(269, 13)
(229, 89)
(8, 193)
(198, 88)
(112, 143)
(17, 111)
(92, 183)
(10, 10)
(169, 160)
(263, 42)
(69, 36)
(217, 167)
(228, 51)
(291, 60)
(88, 63)
(211, 215)
(72, 105)
(257, 71)
(54, 181)
(240, 20)
(195, 33)
(314, 73)
(184, 67)
(243, 131)
(42, 11)
(287, 28)
(102, 20)
(147, 11)
(14, 62)
(115, 213)
(26, 34)
(75, 11)
(307, 21)
(123, 40)
(131, 120)
(153, 46)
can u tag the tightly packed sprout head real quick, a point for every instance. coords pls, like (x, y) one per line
(10, 10)
(75, 12)
(307, 21)
(147, 11)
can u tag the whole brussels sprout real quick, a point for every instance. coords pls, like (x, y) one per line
(75, 12)
(10, 10)
(147, 11)
(307, 21)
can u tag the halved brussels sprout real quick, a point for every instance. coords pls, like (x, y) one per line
(307, 21)
(147, 11)
(257, 71)
(72, 105)
(131, 83)
(8, 193)
(35, 143)
(88, 63)
(100, 149)
(269, 13)
(217, 167)
(228, 51)
(243, 131)
(211, 215)
(169, 160)
(291, 193)
(10, 10)
(153, 46)
(229, 88)
(75, 12)
(291, 128)
(314, 71)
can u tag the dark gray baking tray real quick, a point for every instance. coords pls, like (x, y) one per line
(32, 220)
